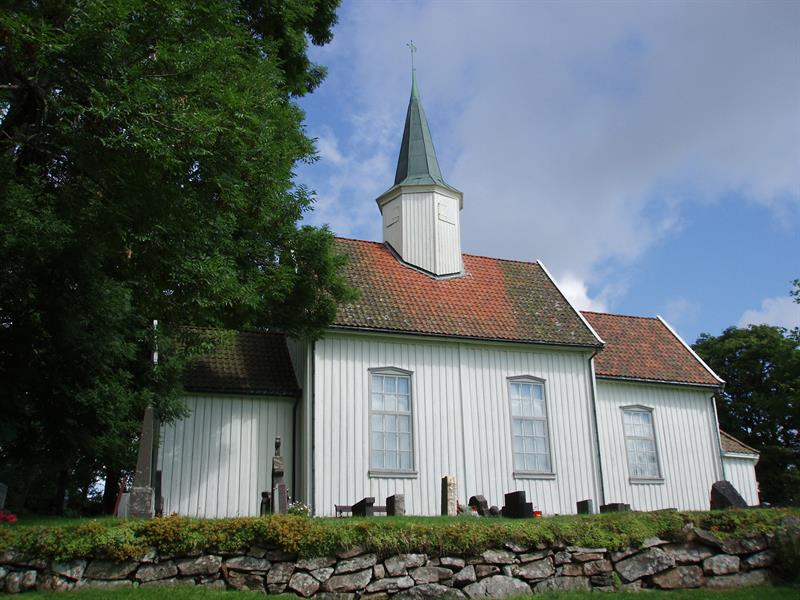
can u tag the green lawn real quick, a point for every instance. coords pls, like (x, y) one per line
(192, 593)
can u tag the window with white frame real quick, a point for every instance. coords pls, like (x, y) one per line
(530, 443)
(640, 442)
(391, 442)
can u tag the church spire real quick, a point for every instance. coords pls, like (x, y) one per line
(417, 163)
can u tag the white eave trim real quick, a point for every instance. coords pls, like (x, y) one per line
(576, 311)
(689, 348)
(748, 456)
(707, 386)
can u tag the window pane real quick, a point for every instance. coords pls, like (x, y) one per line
(377, 401)
(402, 385)
(515, 391)
(405, 441)
(516, 408)
(389, 402)
(377, 459)
(377, 441)
(538, 392)
(404, 423)
(405, 460)
(390, 385)
(390, 439)
(377, 383)
(516, 427)
(377, 422)
(403, 404)
(389, 423)
(525, 391)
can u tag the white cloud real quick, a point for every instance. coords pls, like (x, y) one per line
(577, 293)
(577, 132)
(780, 311)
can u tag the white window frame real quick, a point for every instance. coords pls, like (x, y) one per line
(659, 477)
(523, 473)
(392, 472)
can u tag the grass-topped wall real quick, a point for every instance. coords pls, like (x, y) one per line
(307, 537)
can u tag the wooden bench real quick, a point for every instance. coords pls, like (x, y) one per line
(363, 508)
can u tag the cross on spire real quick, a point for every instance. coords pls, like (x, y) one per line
(413, 49)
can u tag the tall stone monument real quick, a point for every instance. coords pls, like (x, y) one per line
(449, 496)
(280, 499)
(142, 498)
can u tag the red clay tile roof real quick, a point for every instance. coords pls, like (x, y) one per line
(731, 444)
(644, 348)
(254, 363)
(495, 299)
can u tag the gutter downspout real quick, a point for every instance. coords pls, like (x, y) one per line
(597, 430)
(717, 439)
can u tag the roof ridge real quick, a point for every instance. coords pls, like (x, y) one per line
(610, 314)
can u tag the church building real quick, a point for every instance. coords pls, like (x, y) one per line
(451, 364)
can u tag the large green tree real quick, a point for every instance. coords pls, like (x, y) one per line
(147, 150)
(760, 403)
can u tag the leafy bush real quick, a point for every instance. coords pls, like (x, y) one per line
(304, 536)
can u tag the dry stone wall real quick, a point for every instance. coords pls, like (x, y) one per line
(703, 561)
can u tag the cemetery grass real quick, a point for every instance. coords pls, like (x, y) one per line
(198, 593)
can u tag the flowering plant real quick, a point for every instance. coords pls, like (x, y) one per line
(299, 508)
(7, 517)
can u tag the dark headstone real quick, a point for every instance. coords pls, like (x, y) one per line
(396, 505)
(615, 507)
(480, 505)
(159, 510)
(516, 507)
(364, 507)
(3, 494)
(585, 507)
(494, 511)
(266, 503)
(724, 495)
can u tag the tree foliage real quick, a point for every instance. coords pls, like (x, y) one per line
(147, 150)
(760, 403)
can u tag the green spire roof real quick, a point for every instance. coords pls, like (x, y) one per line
(417, 162)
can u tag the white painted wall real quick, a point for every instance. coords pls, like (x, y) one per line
(740, 470)
(686, 436)
(218, 460)
(461, 421)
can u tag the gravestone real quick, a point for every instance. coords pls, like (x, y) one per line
(3, 494)
(480, 504)
(494, 511)
(280, 497)
(724, 495)
(615, 507)
(585, 507)
(516, 507)
(364, 507)
(396, 505)
(142, 499)
(266, 503)
(449, 496)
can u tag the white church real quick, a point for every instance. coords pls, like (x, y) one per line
(450, 364)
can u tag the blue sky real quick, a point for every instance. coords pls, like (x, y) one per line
(647, 153)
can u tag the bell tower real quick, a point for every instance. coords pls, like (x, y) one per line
(421, 213)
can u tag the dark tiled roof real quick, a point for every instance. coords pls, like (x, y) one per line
(731, 444)
(495, 299)
(644, 348)
(253, 363)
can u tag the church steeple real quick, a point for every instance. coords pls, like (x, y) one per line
(421, 220)
(417, 163)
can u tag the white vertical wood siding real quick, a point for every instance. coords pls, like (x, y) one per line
(419, 232)
(686, 434)
(741, 472)
(448, 235)
(392, 213)
(218, 460)
(461, 421)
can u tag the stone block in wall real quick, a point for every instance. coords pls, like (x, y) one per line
(430, 574)
(688, 553)
(497, 586)
(157, 571)
(202, 565)
(72, 569)
(687, 576)
(531, 556)
(486, 570)
(400, 563)
(747, 545)
(247, 563)
(246, 581)
(596, 567)
(322, 575)
(562, 557)
(759, 560)
(303, 584)
(748, 579)
(51, 582)
(391, 584)
(350, 582)
(109, 569)
(171, 582)
(499, 557)
(452, 562)
(430, 591)
(572, 569)
(105, 584)
(312, 564)
(606, 580)
(563, 584)
(357, 563)
(648, 562)
(465, 576)
(538, 569)
(721, 564)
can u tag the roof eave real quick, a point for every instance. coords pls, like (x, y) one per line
(711, 386)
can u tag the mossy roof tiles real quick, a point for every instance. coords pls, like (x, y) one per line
(493, 300)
